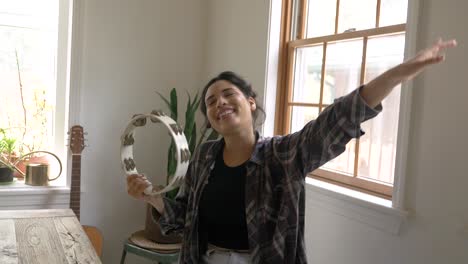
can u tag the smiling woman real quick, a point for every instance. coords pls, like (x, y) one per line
(229, 84)
(243, 197)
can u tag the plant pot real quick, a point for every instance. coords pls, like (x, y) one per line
(6, 175)
(153, 230)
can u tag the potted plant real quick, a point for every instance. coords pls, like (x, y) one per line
(7, 148)
(152, 229)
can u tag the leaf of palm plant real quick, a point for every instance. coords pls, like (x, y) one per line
(190, 120)
(196, 102)
(172, 194)
(174, 104)
(164, 99)
(193, 139)
(171, 162)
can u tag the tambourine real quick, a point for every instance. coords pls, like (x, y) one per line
(182, 149)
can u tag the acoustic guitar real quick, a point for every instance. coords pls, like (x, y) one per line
(76, 146)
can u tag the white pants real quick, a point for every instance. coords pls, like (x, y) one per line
(216, 255)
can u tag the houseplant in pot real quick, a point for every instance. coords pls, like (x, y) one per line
(152, 229)
(7, 148)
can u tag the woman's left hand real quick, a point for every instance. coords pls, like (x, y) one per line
(432, 55)
(379, 88)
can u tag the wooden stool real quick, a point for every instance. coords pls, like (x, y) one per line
(139, 245)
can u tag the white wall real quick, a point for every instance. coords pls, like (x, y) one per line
(237, 39)
(130, 50)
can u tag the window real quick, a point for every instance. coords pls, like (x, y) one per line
(329, 49)
(33, 75)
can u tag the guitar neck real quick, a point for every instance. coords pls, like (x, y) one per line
(75, 188)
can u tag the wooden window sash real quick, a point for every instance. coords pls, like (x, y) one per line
(306, 104)
(373, 32)
(289, 91)
(337, 16)
(377, 14)
(302, 19)
(370, 186)
(287, 102)
(362, 78)
(303, 15)
(322, 75)
(285, 33)
(285, 79)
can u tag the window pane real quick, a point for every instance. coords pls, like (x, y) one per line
(28, 33)
(393, 12)
(344, 163)
(357, 14)
(321, 18)
(301, 115)
(307, 74)
(343, 69)
(378, 146)
(383, 52)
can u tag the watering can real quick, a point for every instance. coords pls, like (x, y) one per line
(37, 174)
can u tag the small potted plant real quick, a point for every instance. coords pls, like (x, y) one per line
(7, 148)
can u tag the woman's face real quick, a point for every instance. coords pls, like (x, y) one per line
(227, 108)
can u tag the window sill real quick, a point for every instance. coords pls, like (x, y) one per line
(361, 207)
(17, 196)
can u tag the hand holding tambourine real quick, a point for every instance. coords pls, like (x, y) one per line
(182, 149)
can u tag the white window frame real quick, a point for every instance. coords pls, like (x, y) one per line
(382, 214)
(19, 195)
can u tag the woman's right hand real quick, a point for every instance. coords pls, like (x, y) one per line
(136, 185)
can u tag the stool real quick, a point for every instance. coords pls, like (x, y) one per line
(162, 258)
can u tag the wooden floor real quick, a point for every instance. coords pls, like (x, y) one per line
(43, 237)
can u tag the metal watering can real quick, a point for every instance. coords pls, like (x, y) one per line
(37, 174)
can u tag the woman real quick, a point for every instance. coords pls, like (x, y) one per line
(243, 199)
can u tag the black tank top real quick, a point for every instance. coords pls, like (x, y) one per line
(222, 207)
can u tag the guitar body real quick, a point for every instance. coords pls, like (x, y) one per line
(77, 146)
(95, 237)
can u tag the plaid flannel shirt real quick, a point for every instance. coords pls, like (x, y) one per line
(275, 183)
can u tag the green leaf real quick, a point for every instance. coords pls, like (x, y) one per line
(193, 139)
(10, 145)
(174, 104)
(172, 194)
(190, 120)
(171, 162)
(196, 103)
(189, 125)
(188, 102)
(164, 99)
(192, 105)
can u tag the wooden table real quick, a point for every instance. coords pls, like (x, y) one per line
(52, 236)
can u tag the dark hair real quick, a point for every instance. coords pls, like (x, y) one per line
(240, 83)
